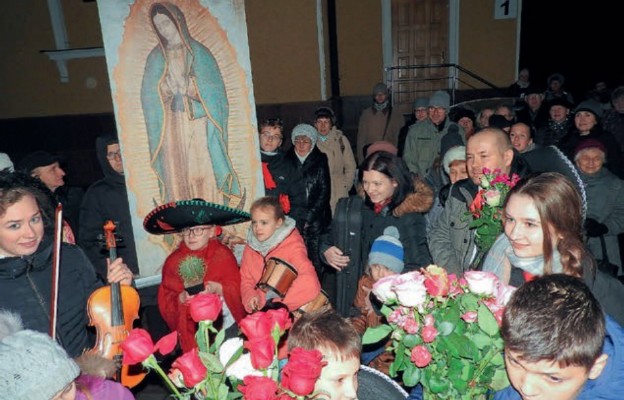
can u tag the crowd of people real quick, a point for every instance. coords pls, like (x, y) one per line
(334, 226)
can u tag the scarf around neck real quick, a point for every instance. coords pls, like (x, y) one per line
(278, 237)
(502, 251)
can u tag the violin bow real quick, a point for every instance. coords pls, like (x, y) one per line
(56, 261)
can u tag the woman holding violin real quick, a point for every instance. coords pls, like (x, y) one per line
(27, 261)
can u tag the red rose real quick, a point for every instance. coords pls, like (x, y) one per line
(477, 204)
(167, 343)
(469, 316)
(192, 368)
(302, 371)
(205, 307)
(257, 325)
(420, 356)
(262, 351)
(137, 347)
(258, 388)
(436, 281)
(281, 317)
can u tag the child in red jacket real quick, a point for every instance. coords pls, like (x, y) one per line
(274, 239)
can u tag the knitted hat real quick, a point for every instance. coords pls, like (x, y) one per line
(325, 112)
(440, 99)
(381, 145)
(34, 367)
(305, 130)
(387, 250)
(592, 106)
(5, 162)
(380, 88)
(453, 154)
(421, 102)
(588, 144)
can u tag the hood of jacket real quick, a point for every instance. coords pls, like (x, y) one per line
(101, 148)
(278, 237)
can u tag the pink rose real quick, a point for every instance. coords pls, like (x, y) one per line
(410, 289)
(397, 317)
(192, 368)
(411, 326)
(469, 316)
(436, 281)
(167, 343)
(429, 333)
(503, 293)
(429, 320)
(420, 356)
(205, 307)
(383, 289)
(480, 282)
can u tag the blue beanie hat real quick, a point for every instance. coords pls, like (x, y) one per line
(440, 99)
(387, 250)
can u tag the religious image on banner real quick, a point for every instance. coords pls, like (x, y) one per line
(181, 87)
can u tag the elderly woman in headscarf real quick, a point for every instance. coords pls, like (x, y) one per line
(311, 189)
(605, 209)
(587, 126)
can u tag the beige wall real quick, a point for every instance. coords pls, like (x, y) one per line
(487, 46)
(31, 84)
(283, 47)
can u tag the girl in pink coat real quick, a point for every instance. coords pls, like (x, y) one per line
(274, 235)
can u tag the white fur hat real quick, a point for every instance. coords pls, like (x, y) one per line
(453, 154)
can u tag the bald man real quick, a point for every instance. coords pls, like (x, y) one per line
(451, 242)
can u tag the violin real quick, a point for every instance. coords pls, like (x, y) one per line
(112, 310)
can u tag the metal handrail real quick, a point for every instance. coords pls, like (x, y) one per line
(453, 77)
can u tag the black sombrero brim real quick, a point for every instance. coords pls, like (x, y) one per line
(175, 216)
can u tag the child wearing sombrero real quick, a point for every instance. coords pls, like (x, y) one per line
(274, 235)
(201, 263)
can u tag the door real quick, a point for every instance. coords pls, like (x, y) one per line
(419, 37)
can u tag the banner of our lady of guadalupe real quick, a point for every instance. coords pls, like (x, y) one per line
(183, 98)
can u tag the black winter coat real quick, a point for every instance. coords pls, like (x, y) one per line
(614, 156)
(25, 288)
(311, 191)
(107, 199)
(282, 173)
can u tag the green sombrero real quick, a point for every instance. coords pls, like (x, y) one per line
(177, 215)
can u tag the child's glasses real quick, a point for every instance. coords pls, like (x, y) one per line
(194, 231)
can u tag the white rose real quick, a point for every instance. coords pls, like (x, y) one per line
(383, 289)
(480, 282)
(410, 289)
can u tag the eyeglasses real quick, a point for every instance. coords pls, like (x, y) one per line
(437, 109)
(113, 154)
(195, 231)
(301, 140)
(269, 137)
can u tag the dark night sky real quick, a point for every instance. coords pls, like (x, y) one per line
(582, 41)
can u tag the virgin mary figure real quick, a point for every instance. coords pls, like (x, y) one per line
(186, 109)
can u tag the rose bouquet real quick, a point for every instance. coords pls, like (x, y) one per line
(218, 369)
(486, 210)
(444, 331)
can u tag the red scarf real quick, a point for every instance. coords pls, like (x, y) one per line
(269, 183)
(380, 206)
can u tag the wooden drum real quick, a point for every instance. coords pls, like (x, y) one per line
(277, 276)
(320, 301)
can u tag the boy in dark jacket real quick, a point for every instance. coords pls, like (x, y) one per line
(559, 345)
